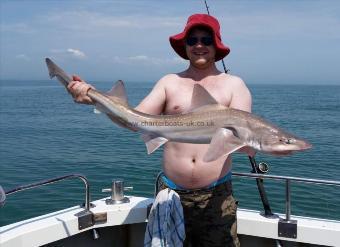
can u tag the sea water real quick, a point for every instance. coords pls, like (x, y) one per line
(44, 134)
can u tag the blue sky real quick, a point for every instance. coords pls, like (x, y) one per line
(271, 41)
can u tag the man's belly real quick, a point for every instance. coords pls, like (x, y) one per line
(183, 164)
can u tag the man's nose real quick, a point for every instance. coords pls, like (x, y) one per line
(199, 44)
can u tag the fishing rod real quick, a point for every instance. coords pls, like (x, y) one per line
(224, 67)
(256, 168)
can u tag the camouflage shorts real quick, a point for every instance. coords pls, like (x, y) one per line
(210, 216)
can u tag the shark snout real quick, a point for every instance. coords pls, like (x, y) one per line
(305, 145)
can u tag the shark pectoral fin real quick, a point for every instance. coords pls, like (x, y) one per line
(223, 143)
(152, 143)
(118, 91)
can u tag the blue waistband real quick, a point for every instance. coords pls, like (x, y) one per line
(174, 186)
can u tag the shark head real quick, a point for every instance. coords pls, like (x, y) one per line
(279, 142)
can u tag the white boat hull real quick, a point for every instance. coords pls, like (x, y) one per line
(125, 226)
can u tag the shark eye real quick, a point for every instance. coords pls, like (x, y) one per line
(287, 140)
(290, 141)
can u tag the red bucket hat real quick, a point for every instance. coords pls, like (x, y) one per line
(178, 41)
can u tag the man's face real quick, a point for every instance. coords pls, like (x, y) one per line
(200, 48)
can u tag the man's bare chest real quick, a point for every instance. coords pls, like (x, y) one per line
(179, 99)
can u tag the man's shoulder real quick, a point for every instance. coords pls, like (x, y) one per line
(169, 81)
(232, 78)
(232, 81)
(168, 78)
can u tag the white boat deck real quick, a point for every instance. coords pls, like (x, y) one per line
(62, 224)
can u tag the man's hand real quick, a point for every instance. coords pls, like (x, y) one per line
(78, 89)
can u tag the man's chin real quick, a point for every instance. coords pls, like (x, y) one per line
(201, 63)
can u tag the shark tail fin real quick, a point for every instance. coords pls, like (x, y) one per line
(55, 71)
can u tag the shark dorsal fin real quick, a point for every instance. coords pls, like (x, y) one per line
(201, 97)
(118, 91)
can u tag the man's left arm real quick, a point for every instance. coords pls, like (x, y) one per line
(241, 100)
(240, 97)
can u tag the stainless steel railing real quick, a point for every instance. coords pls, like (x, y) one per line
(50, 181)
(288, 181)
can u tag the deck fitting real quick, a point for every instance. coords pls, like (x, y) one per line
(85, 219)
(287, 229)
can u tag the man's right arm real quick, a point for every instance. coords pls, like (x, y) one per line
(154, 102)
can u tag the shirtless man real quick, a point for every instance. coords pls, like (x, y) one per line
(204, 188)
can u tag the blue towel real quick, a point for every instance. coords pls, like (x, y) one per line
(165, 226)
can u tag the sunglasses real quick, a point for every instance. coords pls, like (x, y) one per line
(207, 41)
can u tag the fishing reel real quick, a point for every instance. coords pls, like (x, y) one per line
(262, 168)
